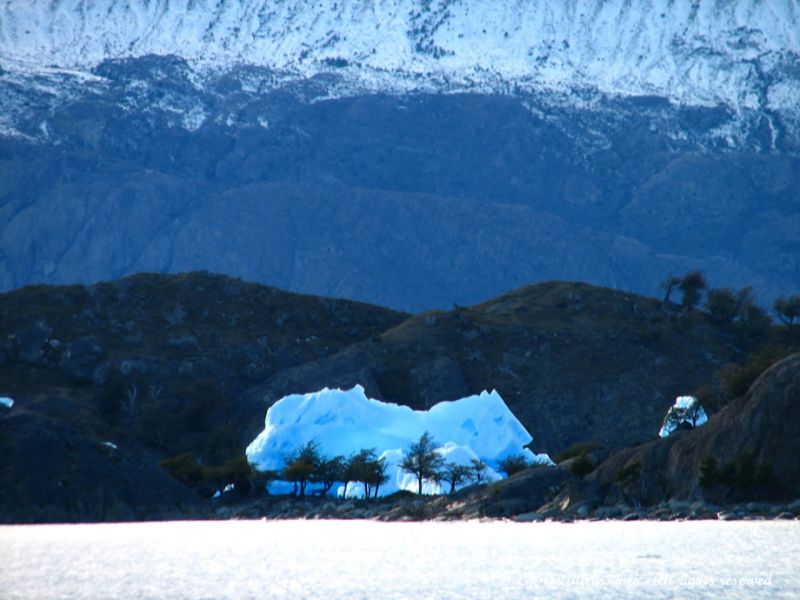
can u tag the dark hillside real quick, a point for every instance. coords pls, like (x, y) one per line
(749, 450)
(113, 378)
(574, 362)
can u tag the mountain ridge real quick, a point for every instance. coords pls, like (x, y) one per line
(706, 53)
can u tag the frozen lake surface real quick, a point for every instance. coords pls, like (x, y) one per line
(365, 559)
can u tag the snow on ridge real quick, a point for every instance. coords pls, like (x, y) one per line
(699, 53)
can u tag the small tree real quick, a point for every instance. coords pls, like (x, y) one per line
(722, 305)
(367, 469)
(376, 476)
(302, 465)
(330, 471)
(513, 464)
(422, 460)
(752, 317)
(455, 475)
(478, 470)
(692, 286)
(669, 285)
(787, 309)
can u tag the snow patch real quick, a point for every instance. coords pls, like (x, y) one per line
(7, 402)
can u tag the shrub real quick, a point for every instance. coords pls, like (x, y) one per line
(722, 305)
(742, 477)
(184, 468)
(629, 474)
(582, 466)
(577, 449)
(787, 309)
(692, 286)
(737, 379)
(513, 464)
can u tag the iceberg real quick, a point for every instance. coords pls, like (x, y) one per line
(343, 422)
(7, 402)
(686, 411)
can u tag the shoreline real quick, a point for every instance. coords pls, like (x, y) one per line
(449, 508)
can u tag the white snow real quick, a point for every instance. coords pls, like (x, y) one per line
(687, 409)
(343, 422)
(7, 402)
(699, 53)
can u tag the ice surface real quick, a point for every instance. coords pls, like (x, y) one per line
(343, 422)
(7, 402)
(687, 409)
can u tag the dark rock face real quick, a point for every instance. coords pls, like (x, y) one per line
(440, 378)
(763, 425)
(412, 202)
(52, 473)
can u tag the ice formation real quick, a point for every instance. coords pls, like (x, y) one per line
(687, 409)
(7, 402)
(343, 422)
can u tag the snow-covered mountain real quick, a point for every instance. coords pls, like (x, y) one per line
(411, 153)
(743, 53)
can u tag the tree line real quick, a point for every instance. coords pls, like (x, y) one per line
(421, 459)
(726, 305)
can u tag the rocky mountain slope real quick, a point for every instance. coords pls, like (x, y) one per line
(110, 379)
(707, 53)
(749, 448)
(407, 153)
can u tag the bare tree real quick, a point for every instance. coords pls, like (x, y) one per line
(669, 285)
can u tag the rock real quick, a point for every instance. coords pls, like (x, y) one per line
(81, 357)
(440, 379)
(785, 515)
(529, 517)
(728, 516)
(607, 512)
(582, 511)
(632, 516)
(664, 513)
(767, 418)
(31, 343)
(757, 507)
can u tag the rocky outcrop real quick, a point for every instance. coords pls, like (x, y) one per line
(51, 472)
(753, 442)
